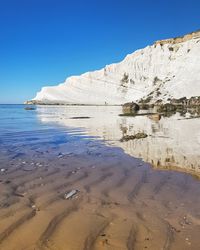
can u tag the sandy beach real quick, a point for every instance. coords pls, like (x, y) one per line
(121, 201)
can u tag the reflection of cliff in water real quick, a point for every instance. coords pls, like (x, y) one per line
(173, 142)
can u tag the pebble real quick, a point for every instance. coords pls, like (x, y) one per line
(70, 194)
(35, 207)
(20, 194)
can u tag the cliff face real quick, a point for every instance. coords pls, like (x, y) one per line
(167, 69)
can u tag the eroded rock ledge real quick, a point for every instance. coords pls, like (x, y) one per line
(192, 35)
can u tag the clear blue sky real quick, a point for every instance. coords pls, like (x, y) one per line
(44, 41)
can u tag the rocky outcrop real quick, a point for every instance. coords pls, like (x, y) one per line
(179, 104)
(194, 101)
(172, 104)
(166, 108)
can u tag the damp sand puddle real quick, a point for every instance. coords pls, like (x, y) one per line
(121, 201)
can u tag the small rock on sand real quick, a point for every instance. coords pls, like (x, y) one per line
(70, 194)
(3, 170)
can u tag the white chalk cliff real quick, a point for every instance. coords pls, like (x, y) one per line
(167, 69)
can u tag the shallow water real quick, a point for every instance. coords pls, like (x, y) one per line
(122, 203)
(172, 143)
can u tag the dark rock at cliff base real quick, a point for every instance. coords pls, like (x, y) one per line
(168, 107)
(193, 101)
(140, 135)
(130, 107)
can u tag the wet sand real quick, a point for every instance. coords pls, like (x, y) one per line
(123, 202)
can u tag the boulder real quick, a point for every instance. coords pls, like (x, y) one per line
(130, 107)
